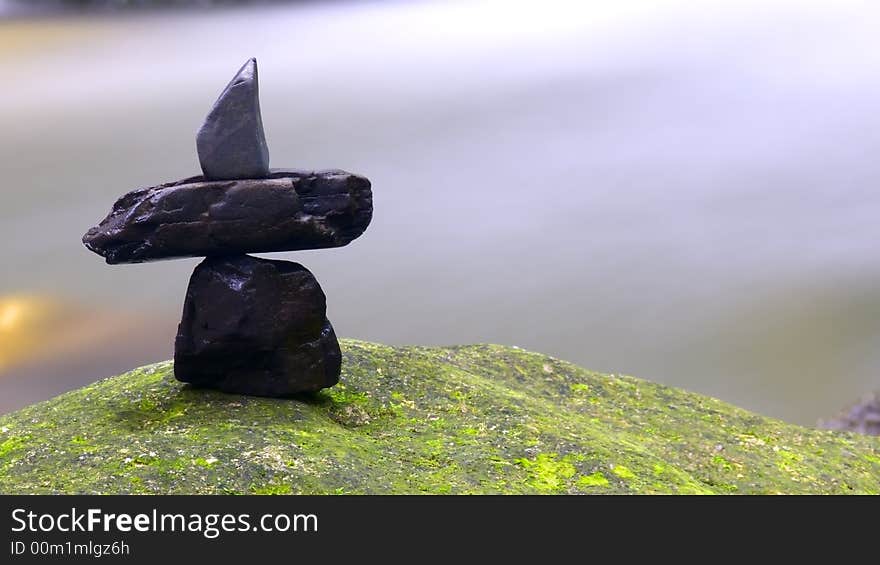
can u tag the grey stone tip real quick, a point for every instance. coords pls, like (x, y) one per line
(231, 143)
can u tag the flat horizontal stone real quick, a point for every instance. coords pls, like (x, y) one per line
(255, 326)
(290, 210)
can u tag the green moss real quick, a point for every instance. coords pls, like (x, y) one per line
(10, 445)
(722, 463)
(623, 472)
(597, 479)
(273, 489)
(546, 473)
(206, 463)
(471, 419)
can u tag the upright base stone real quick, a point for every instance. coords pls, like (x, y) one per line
(255, 326)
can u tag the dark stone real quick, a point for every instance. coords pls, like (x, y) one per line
(289, 211)
(231, 142)
(255, 326)
(862, 417)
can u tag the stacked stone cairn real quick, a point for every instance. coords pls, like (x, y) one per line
(249, 325)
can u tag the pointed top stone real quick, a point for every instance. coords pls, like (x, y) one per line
(231, 142)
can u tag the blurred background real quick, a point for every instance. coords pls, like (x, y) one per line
(683, 191)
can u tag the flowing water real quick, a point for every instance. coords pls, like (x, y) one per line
(685, 194)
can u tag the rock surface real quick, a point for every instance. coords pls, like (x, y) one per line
(231, 143)
(862, 417)
(255, 326)
(289, 211)
(469, 419)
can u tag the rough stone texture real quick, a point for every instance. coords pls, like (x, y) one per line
(231, 143)
(291, 210)
(255, 326)
(862, 417)
(465, 419)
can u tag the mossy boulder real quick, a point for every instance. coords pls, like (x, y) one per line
(471, 419)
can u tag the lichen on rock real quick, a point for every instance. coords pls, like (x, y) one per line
(469, 419)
